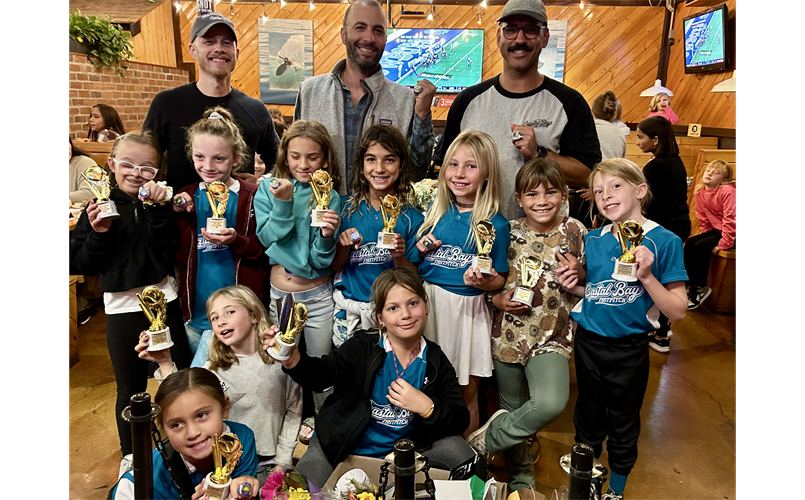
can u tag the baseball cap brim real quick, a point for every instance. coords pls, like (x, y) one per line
(526, 13)
(203, 24)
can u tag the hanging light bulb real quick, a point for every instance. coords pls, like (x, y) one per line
(265, 17)
(483, 4)
(430, 14)
(311, 5)
(282, 3)
(581, 4)
(479, 18)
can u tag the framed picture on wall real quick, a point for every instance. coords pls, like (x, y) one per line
(286, 58)
(552, 58)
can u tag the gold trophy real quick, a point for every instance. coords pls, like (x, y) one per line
(390, 208)
(530, 271)
(153, 303)
(226, 446)
(98, 181)
(626, 266)
(292, 317)
(218, 196)
(322, 186)
(484, 238)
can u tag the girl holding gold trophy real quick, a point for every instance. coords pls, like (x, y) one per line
(616, 314)
(460, 320)
(130, 253)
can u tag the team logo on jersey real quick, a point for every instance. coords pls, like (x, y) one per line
(369, 254)
(385, 121)
(450, 257)
(390, 415)
(541, 123)
(613, 292)
(208, 246)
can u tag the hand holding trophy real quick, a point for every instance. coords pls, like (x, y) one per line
(322, 185)
(98, 181)
(484, 233)
(390, 208)
(292, 319)
(626, 266)
(226, 446)
(218, 196)
(153, 303)
(530, 271)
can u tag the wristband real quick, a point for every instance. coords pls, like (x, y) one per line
(429, 411)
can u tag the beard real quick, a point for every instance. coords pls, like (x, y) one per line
(365, 66)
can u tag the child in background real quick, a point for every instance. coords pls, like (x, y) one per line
(80, 191)
(460, 321)
(261, 395)
(130, 253)
(667, 179)
(192, 410)
(531, 345)
(610, 137)
(105, 124)
(381, 167)
(614, 317)
(661, 106)
(715, 209)
(259, 167)
(410, 385)
(300, 254)
(206, 261)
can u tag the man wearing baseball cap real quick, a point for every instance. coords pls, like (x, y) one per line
(213, 43)
(527, 114)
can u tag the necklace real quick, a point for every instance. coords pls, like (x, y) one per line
(396, 366)
(465, 205)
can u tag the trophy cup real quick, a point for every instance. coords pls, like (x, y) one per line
(98, 181)
(226, 446)
(484, 238)
(530, 271)
(218, 196)
(291, 317)
(322, 185)
(153, 303)
(390, 208)
(626, 265)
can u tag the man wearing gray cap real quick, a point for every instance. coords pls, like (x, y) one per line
(527, 114)
(213, 43)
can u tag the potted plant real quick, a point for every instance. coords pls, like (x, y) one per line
(108, 45)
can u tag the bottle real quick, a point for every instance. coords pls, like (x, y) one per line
(581, 472)
(404, 470)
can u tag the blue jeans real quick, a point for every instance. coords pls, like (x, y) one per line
(201, 339)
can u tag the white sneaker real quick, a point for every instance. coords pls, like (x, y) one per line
(478, 438)
(125, 465)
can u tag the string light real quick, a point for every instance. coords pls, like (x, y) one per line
(483, 4)
(430, 14)
(581, 4)
(311, 5)
(265, 17)
(479, 18)
(282, 3)
(232, 9)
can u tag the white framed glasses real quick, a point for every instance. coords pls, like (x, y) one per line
(128, 168)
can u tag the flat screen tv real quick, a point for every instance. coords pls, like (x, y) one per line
(707, 40)
(451, 59)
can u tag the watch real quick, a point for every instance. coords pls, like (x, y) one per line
(541, 152)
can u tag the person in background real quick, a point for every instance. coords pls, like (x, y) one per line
(605, 110)
(80, 191)
(621, 126)
(276, 115)
(661, 106)
(104, 124)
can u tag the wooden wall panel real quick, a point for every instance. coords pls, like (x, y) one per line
(154, 43)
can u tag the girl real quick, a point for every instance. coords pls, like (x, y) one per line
(389, 385)
(192, 410)
(715, 208)
(531, 345)
(611, 354)
(206, 262)
(300, 255)
(611, 138)
(667, 180)
(267, 401)
(130, 253)
(381, 167)
(104, 124)
(80, 191)
(661, 106)
(467, 192)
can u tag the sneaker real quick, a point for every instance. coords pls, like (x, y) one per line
(611, 495)
(478, 438)
(125, 465)
(661, 344)
(698, 296)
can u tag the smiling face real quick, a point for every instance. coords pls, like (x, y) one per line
(136, 154)
(233, 325)
(462, 175)
(617, 199)
(403, 314)
(364, 36)
(381, 168)
(215, 51)
(541, 205)
(191, 421)
(259, 165)
(304, 157)
(213, 158)
(646, 143)
(96, 122)
(521, 54)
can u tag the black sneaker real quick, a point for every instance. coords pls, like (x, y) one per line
(697, 296)
(660, 344)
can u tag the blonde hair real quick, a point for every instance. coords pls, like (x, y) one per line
(622, 169)
(656, 99)
(225, 128)
(221, 355)
(316, 132)
(487, 198)
(723, 167)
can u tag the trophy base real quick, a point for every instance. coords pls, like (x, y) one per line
(386, 240)
(625, 271)
(216, 491)
(107, 210)
(317, 218)
(280, 350)
(484, 264)
(216, 225)
(523, 296)
(159, 340)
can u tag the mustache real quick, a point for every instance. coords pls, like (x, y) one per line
(521, 46)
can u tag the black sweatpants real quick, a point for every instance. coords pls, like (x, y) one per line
(131, 372)
(612, 376)
(697, 256)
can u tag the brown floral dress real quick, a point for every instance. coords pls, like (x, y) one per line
(547, 326)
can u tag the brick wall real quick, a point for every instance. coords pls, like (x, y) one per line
(130, 95)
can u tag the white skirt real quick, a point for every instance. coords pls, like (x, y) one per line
(462, 326)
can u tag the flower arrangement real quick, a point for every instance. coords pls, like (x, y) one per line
(422, 194)
(285, 485)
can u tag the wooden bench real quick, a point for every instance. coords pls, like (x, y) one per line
(689, 148)
(98, 151)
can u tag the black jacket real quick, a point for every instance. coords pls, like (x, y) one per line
(351, 369)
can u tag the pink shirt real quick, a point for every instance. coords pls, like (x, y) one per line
(715, 209)
(667, 113)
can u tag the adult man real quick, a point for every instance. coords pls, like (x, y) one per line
(552, 119)
(356, 95)
(213, 43)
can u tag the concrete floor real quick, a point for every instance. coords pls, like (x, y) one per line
(687, 443)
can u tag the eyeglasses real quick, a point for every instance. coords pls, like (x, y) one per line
(511, 32)
(127, 168)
